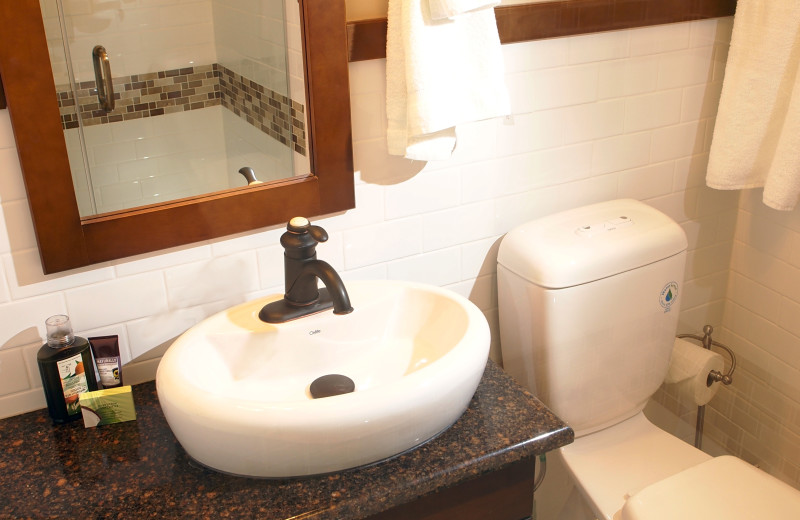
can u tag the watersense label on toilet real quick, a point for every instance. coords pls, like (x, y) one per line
(668, 296)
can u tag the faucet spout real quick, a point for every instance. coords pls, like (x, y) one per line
(302, 270)
(335, 295)
(250, 175)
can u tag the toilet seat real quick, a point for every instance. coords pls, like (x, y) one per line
(724, 487)
(613, 464)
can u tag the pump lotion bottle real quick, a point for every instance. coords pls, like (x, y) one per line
(67, 370)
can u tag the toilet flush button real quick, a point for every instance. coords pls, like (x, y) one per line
(617, 223)
(620, 221)
(595, 228)
(590, 230)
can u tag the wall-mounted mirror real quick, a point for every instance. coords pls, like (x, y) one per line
(136, 192)
(167, 100)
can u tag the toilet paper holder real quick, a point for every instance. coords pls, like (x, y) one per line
(715, 375)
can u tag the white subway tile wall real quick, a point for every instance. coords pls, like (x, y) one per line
(145, 161)
(251, 40)
(758, 417)
(135, 35)
(623, 114)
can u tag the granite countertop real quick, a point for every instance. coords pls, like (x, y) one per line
(139, 470)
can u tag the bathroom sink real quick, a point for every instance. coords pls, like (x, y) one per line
(235, 390)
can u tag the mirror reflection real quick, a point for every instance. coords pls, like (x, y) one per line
(167, 99)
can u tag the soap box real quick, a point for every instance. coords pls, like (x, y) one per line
(109, 406)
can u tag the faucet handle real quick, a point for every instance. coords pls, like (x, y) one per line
(298, 224)
(301, 225)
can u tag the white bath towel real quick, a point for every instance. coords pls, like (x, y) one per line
(440, 73)
(756, 139)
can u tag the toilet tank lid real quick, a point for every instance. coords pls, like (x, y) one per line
(589, 243)
(723, 487)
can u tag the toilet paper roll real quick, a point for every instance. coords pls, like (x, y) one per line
(689, 367)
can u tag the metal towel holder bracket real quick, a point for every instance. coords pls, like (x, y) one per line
(713, 376)
(707, 342)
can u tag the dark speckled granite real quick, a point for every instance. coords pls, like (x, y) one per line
(138, 469)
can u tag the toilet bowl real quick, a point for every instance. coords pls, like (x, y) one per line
(723, 487)
(588, 302)
(613, 464)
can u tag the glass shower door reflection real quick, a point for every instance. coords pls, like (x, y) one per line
(194, 99)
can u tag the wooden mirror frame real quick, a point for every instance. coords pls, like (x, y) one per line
(67, 241)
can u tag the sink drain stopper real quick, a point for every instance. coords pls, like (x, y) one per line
(330, 385)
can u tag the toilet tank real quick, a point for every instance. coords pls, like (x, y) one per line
(588, 302)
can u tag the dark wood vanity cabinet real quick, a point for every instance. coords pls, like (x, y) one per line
(505, 494)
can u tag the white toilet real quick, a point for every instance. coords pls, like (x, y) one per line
(589, 301)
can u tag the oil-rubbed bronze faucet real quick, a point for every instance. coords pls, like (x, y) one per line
(301, 270)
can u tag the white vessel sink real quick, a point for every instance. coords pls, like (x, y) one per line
(235, 390)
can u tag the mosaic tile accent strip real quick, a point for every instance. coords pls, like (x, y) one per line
(191, 88)
(272, 113)
(142, 95)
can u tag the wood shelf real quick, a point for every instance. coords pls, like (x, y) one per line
(366, 39)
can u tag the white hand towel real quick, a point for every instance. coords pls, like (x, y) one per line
(451, 8)
(756, 139)
(440, 73)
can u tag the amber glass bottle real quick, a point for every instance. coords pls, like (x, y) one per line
(67, 370)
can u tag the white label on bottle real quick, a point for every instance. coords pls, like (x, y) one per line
(108, 368)
(73, 381)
